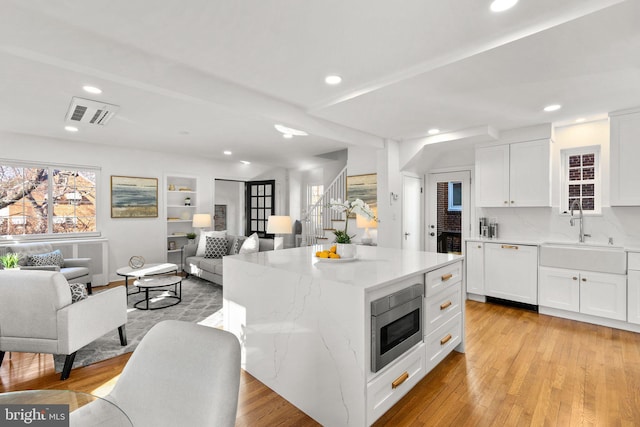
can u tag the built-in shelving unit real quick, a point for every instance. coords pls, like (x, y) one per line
(181, 202)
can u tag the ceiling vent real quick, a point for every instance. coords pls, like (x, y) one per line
(90, 112)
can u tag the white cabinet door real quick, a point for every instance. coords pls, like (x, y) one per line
(492, 176)
(511, 272)
(625, 152)
(633, 284)
(603, 295)
(530, 174)
(474, 261)
(559, 288)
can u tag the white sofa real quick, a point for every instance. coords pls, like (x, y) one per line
(37, 316)
(211, 268)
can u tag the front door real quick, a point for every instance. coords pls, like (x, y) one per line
(449, 201)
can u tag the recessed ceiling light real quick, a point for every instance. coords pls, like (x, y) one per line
(502, 5)
(333, 79)
(580, 120)
(287, 136)
(71, 129)
(290, 131)
(92, 89)
(433, 131)
(227, 153)
(244, 162)
(554, 107)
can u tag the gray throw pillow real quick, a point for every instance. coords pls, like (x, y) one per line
(216, 247)
(50, 258)
(78, 292)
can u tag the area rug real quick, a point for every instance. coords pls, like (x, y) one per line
(201, 303)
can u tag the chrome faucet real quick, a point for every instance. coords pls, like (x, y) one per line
(581, 218)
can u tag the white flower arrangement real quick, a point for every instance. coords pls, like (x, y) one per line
(357, 207)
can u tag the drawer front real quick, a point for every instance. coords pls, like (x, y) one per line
(443, 340)
(633, 261)
(443, 277)
(442, 307)
(385, 390)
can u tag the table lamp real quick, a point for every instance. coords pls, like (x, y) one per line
(278, 224)
(201, 221)
(366, 223)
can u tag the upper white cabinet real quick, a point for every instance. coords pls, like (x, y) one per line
(514, 175)
(511, 272)
(492, 176)
(625, 152)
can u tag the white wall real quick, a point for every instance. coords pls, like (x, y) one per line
(230, 193)
(127, 237)
(389, 180)
(547, 224)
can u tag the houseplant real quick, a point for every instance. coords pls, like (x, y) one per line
(10, 260)
(357, 207)
(191, 237)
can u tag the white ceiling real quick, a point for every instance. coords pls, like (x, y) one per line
(203, 76)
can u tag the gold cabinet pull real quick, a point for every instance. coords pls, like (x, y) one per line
(402, 378)
(446, 277)
(445, 305)
(510, 247)
(446, 339)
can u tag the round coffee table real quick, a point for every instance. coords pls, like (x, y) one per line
(145, 271)
(147, 284)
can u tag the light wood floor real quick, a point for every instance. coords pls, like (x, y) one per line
(520, 369)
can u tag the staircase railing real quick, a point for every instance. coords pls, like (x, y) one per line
(319, 217)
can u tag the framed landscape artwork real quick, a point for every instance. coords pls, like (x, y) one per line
(133, 197)
(364, 187)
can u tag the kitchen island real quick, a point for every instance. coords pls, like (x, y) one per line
(305, 325)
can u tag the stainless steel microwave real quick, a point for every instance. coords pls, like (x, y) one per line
(396, 325)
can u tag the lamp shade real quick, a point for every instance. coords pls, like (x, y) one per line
(279, 224)
(201, 220)
(364, 222)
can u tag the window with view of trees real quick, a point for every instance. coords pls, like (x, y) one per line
(46, 200)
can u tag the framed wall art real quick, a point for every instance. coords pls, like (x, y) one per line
(134, 197)
(364, 187)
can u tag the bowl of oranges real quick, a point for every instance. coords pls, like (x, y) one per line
(330, 255)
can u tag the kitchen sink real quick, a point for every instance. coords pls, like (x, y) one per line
(584, 256)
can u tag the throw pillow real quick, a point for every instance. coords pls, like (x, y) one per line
(50, 258)
(235, 247)
(251, 245)
(202, 243)
(78, 292)
(216, 247)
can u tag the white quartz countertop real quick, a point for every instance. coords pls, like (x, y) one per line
(375, 266)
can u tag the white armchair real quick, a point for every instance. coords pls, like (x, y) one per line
(181, 374)
(75, 270)
(37, 316)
